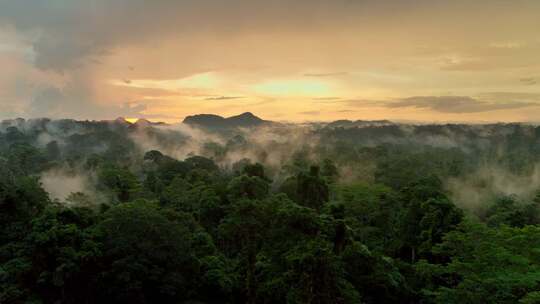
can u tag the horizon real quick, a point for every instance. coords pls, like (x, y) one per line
(296, 62)
(133, 120)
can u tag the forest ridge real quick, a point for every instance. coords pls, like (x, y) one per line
(244, 210)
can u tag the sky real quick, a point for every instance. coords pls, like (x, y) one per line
(296, 60)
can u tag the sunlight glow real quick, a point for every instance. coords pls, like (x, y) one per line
(294, 88)
(131, 120)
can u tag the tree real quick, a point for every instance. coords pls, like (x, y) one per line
(53, 150)
(376, 277)
(329, 171)
(373, 214)
(79, 199)
(312, 190)
(200, 162)
(57, 260)
(199, 200)
(121, 182)
(428, 216)
(316, 276)
(147, 256)
(255, 170)
(507, 210)
(488, 265)
(243, 231)
(247, 187)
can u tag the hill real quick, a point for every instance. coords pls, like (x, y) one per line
(211, 121)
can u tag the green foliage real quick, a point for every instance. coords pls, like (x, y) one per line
(506, 210)
(147, 256)
(329, 171)
(247, 187)
(199, 162)
(488, 265)
(120, 182)
(311, 190)
(376, 277)
(375, 224)
(54, 258)
(315, 275)
(373, 213)
(255, 170)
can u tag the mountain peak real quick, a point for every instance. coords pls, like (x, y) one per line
(246, 118)
(121, 120)
(143, 122)
(247, 114)
(212, 121)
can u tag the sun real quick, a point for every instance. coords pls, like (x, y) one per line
(131, 120)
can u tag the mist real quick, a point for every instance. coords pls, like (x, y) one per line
(485, 155)
(61, 183)
(480, 188)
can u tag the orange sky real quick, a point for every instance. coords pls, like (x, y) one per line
(282, 60)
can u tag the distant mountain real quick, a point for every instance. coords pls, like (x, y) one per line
(141, 123)
(359, 123)
(144, 123)
(210, 121)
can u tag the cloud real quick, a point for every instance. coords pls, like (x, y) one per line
(511, 97)
(47, 103)
(361, 103)
(528, 81)
(468, 64)
(224, 98)
(455, 104)
(54, 102)
(327, 99)
(304, 42)
(313, 113)
(326, 74)
(69, 34)
(507, 45)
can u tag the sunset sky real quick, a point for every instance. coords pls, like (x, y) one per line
(296, 60)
